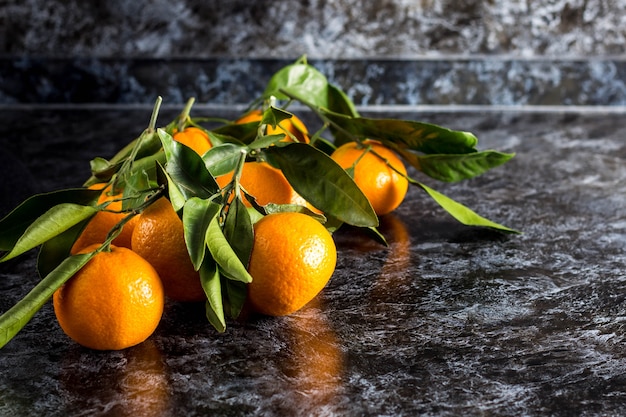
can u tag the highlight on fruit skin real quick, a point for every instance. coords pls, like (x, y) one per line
(378, 172)
(293, 258)
(195, 138)
(113, 302)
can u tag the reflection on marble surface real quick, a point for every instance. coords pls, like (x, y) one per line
(324, 29)
(447, 321)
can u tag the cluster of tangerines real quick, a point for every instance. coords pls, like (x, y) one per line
(117, 299)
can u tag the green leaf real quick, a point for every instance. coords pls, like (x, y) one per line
(197, 214)
(14, 224)
(338, 102)
(236, 293)
(55, 250)
(323, 183)
(299, 79)
(266, 141)
(422, 137)
(238, 230)
(461, 213)
(273, 116)
(242, 133)
(450, 168)
(224, 254)
(52, 223)
(222, 159)
(176, 197)
(14, 319)
(211, 283)
(187, 169)
(136, 189)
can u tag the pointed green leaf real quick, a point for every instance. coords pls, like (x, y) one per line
(187, 169)
(323, 183)
(211, 283)
(222, 159)
(236, 293)
(52, 223)
(461, 213)
(238, 230)
(197, 214)
(176, 197)
(14, 224)
(450, 167)
(55, 250)
(299, 79)
(14, 319)
(224, 254)
(422, 137)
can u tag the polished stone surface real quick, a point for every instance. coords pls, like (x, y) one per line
(447, 321)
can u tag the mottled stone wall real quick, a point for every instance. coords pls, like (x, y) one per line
(319, 28)
(487, 52)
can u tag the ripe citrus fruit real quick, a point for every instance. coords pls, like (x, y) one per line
(159, 238)
(382, 185)
(99, 226)
(293, 257)
(195, 138)
(266, 183)
(115, 301)
(292, 125)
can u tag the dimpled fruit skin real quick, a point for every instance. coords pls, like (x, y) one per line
(195, 138)
(266, 183)
(159, 238)
(383, 186)
(293, 257)
(115, 301)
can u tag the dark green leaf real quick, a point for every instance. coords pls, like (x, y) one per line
(274, 115)
(238, 230)
(211, 283)
(224, 254)
(451, 167)
(52, 223)
(14, 224)
(422, 137)
(323, 183)
(236, 293)
(14, 319)
(222, 159)
(239, 132)
(187, 170)
(197, 214)
(55, 250)
(461, 213)
(299, 79)
(266, 141)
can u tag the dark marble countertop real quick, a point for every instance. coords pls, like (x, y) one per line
(448, 320)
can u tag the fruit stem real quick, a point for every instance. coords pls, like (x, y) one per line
(184, 115)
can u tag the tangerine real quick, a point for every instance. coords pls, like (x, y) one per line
(265, 183)
(292, 126)
(115, 301)
(159, 238)
(195, 138)
(293, 258)
(102, 222)
(380, 174)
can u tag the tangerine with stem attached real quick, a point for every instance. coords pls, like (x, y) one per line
(293, 258)
(103, 221)
(378, 172)
(265, 183)
(115, 301)
(292, 126)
